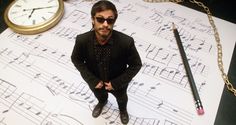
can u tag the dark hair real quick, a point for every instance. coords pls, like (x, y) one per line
(103, 5)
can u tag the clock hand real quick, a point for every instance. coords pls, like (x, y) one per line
(31, 13)
(38, 8)
(44, 7)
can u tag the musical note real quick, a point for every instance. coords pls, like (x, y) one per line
(159, 105)
(66, 33)
(135, 87)
(152, 88)
(76, 15)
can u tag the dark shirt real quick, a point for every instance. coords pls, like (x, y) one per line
(103, 54)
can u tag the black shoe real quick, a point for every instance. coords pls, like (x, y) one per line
(124, 117)
(98, 109)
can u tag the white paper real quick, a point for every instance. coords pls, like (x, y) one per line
(40, 86)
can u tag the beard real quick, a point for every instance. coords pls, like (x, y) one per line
(104, 32)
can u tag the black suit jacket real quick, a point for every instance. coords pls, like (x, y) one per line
(124, 62)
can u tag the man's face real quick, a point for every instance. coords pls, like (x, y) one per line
(103, 23)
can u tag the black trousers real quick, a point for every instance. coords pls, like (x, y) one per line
(120, 95)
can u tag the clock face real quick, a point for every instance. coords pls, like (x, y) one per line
(32, 12)
(33, 16)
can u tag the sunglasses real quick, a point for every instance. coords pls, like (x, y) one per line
(102, 20)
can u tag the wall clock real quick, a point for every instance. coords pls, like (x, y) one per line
(33, 16)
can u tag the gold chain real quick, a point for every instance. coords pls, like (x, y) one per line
(217, 38)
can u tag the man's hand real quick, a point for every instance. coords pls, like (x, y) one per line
(108, 86)
(99, 85)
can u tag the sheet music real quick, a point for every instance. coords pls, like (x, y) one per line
(39, 85)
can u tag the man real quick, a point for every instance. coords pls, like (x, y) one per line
(106, 59)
